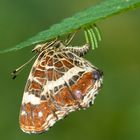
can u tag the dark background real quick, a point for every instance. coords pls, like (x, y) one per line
(116, 112)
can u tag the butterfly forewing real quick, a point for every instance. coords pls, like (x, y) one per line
(59, 82)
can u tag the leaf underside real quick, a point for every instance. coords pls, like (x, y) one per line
(80, 20)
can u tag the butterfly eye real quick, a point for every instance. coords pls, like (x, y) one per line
(57, 44)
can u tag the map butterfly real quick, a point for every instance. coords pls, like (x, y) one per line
(60, 81)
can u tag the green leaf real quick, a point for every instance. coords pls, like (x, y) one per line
(80, 20)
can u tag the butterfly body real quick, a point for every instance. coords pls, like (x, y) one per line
(60, 82)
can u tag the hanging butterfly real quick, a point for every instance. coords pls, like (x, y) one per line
(60, 81)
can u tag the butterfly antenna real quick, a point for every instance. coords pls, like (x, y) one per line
(18, 70)
(37, 50)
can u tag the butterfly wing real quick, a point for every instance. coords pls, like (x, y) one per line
(59, 83)
(82, 80)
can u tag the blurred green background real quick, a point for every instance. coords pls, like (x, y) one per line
(116, 112)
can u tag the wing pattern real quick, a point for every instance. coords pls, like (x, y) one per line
(60, 82)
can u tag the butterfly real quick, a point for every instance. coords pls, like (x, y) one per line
(60, 81)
